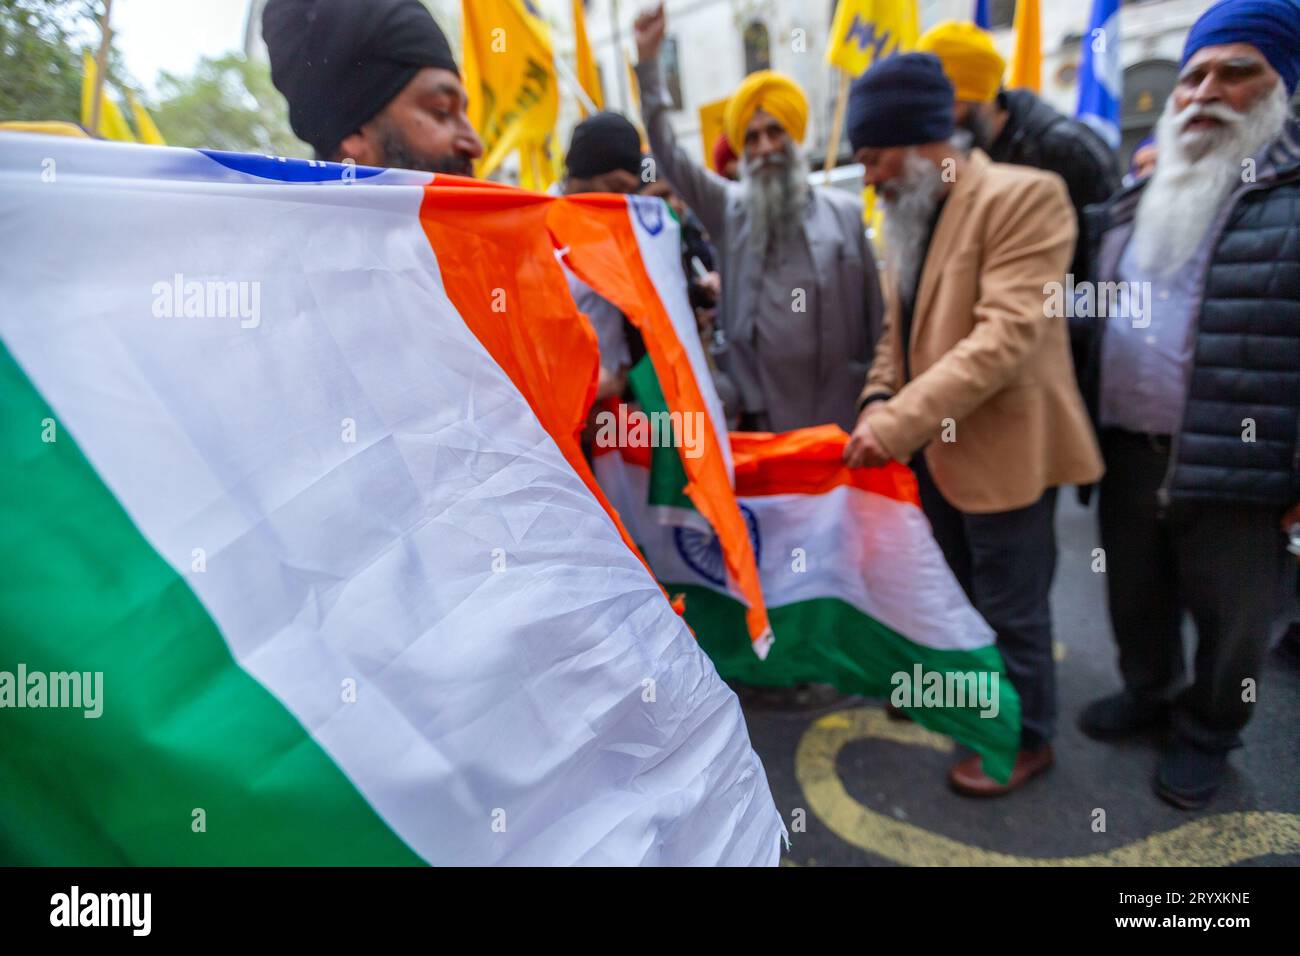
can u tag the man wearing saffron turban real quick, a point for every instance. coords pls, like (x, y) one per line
(800, 309)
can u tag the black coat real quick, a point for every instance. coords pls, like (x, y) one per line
(1037, 135)
(1246, 359)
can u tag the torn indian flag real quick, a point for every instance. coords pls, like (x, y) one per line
(321, 530)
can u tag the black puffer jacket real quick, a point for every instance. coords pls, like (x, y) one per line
(1246, 362)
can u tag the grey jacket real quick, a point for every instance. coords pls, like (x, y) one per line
(846, 302)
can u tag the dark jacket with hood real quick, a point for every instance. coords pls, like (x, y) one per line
(1037, 135)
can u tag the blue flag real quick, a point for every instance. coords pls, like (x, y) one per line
(982, 15)
(1101, 75)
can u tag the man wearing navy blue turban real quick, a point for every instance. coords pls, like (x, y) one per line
(1271, 27)
(1197, 394)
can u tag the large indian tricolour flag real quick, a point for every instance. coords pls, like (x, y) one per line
(288, 456)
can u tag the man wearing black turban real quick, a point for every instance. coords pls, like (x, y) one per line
(373, 81)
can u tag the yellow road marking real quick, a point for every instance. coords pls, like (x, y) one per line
(1216, 840)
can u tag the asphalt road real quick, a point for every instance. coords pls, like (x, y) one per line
(867, 791)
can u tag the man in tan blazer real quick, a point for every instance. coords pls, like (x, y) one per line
(982, 399)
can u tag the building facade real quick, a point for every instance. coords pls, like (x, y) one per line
(713, 44)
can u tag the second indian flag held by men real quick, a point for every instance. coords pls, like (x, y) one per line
(858, 592)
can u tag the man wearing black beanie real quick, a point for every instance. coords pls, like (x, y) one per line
(371, 81)
(972, 382)
(604, 156)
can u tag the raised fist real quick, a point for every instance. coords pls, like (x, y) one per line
(649, 33)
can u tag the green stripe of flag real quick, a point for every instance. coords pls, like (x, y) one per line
(828, 641)
(183, 725)
(667, 474)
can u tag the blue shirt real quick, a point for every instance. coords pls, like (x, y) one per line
(1145, 370)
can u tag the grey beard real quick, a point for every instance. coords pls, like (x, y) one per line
(775, 196)
(908, 215)
(1194, 178)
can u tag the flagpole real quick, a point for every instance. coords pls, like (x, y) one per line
(837, 123)
(570, 79)
(101, 58)
(618, 52)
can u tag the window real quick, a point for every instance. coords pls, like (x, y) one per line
(1147, 85)
(1002, 14)
(758, 53)
(670, 62)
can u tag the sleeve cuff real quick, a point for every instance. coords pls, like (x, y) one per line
(866, 400)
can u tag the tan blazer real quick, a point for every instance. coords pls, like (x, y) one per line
(984, 352)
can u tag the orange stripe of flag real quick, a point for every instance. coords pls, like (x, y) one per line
(500, 272)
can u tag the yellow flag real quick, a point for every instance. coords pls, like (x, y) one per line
(47, 127)
(112, 124)
(509, 75)
(588, 75)
(873, 217)
(144, 122)
(529, 171)
(711, 127)
(867, 30)
(1027, 60)
(537, 165)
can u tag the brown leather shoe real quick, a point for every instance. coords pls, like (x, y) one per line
(967, 778)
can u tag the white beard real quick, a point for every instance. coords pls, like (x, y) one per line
(1195, 173)
(909, 204)
(776, 192)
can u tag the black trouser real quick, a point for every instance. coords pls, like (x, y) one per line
(1005, 562)
(1222, 563)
